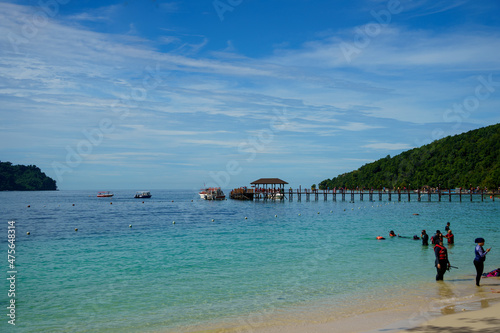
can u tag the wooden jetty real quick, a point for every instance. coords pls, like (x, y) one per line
(273, 189)
(391, 195)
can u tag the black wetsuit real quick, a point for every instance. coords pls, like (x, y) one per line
(441, 259)
(425, 239)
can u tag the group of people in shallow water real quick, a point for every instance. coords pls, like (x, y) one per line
(442, 263)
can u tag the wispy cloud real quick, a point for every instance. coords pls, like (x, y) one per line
(211, 97)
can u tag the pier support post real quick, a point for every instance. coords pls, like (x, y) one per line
(389, 195)
(439, 194)
(408, 194)
(418, 195)
(352, 195)
(361, 196)
(343, 195)
(399, 195)
(449, 195)
(370, 196)
(334, 195)
(379, 195)
(429, 195)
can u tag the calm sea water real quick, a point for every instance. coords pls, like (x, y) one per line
(225, 264)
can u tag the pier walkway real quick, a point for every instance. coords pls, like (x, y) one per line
(371, 195)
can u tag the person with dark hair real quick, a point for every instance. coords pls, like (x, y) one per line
(437, 237)
(425, 238)
(480, 258)
(447, 226)
(442, 262)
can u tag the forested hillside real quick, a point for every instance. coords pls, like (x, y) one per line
(24, 178)
(468, 159)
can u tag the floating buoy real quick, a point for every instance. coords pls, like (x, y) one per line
(143, 202)
(173, 222)
(213, 220)
(275, 215)
(76, 229)
(318, 212)
(28, 233)
(331, 211)
(29, 206)
(172, 200)
(191, 200)
(73, 204)
(110, 203)
(130, 225)
(380, 237)
(246, 217)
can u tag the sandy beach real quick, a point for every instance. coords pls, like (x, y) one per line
(480, 314)
(485, 320)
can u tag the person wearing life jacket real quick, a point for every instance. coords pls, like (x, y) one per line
(442, 263)
(480, 258)
(438, 236)
(450, 237)
(392, 234)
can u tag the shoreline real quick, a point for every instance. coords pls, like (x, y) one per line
(457, 298)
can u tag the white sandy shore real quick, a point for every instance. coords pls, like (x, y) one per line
(486, 320)
(480, 314)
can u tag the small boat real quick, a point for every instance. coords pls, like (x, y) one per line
(213, 193)
(104, 194)
(242, 193)
(203, 193)
(142, 194)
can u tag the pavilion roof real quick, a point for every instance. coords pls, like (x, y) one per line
(267, 181)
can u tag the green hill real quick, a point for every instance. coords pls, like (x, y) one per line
(24, 178)
(463, 160)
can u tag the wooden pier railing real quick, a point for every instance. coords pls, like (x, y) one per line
(370, 195)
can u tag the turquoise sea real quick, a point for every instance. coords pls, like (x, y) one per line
(228, 265)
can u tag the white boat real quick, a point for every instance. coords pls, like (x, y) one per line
(203, 193)
(104, 194)
(142, 194)
(212, 193)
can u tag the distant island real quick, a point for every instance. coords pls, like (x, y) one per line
(465, 160)
(24, 178)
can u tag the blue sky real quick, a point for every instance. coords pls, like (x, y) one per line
(173, 94)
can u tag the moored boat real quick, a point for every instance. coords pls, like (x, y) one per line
(104, 194)
(242, 193)
(142, 194)
(213, 193)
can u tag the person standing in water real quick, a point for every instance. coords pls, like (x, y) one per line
(450, 237)
(480, 258)
(442, 263)
(447, 226)
(425, 238)
(437, 237)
